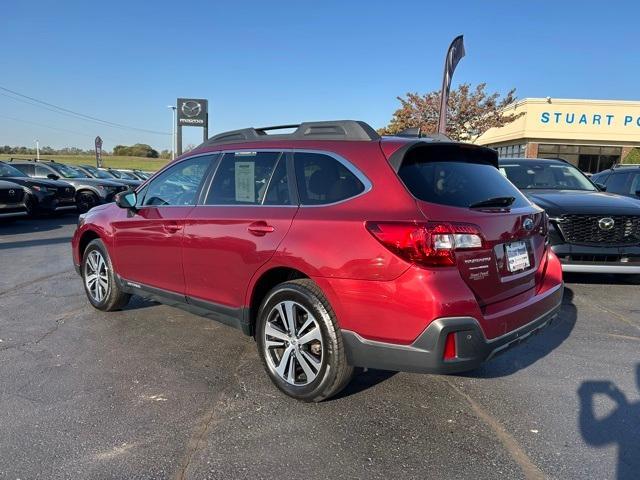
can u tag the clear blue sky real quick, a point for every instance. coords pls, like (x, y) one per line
(262, 63)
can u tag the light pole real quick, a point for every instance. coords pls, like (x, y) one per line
(173, 131)
(37, 150)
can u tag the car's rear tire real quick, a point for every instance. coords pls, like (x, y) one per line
(86, 200)
(99, 280)
(300, 343)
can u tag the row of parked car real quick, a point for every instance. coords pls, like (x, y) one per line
(31, 187)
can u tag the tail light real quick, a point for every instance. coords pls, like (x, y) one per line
(431, 244)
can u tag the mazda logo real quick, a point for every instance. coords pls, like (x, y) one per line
(12, 193)
(527, 224)
(606, 223)
(191, 109)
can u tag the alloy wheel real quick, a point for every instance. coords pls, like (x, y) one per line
(96, 276)
(293, 343)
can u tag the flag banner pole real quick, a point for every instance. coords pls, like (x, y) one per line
(454, 55)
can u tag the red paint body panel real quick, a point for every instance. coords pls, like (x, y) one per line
(221, 255)
(148, 246)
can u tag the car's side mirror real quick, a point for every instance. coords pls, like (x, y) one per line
(637, 193)
(127, 199)
(601, 186)
(53, 176)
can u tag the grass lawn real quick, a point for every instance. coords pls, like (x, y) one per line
(147, 164)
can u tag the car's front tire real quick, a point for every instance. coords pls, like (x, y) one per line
(99, 279)
(86, 200)
(300, 343)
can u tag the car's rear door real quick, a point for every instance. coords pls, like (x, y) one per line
(148, 241)
(247, 212)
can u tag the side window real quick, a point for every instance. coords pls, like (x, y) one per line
(179, 184)
(26, 169)
(243, 178)
(322, 179)
(635, 184)
(42, 172)
(617, 182)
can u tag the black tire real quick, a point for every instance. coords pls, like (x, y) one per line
(31, 205)
(86, 200)
(114, 298)
(334, 372)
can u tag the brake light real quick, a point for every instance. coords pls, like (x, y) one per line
(430, 244)
(450, 347)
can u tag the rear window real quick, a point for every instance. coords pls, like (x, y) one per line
(439, 175)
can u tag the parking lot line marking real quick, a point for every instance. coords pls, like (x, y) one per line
(529, 469)
(610, 312)
(625, 337)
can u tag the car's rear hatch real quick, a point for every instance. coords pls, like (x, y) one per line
(459, 185)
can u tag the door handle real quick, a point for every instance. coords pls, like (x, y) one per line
(260, 228)
(171, 227)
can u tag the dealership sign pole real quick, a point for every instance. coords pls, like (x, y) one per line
(192, 112)
(454, 55)
(98, 152)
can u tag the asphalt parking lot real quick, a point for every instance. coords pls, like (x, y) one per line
(155, 392)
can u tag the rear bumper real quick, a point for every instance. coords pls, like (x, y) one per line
(425, 354)
(598, 259)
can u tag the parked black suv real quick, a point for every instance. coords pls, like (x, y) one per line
(12, 198)
(621, 179)
(590, 230)
(42, 195)
(89, 191)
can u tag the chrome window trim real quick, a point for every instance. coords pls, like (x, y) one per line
(339, 158)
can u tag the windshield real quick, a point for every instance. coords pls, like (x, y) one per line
(9, 171)
(545, 176)
(142, 175)
(66, 171)
(121, 174)
(97, 173)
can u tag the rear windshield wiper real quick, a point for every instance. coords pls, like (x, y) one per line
(494, 202)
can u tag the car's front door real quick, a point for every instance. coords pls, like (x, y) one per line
(149, 240)
(246, 214)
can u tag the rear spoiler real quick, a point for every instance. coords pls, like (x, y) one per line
(445, 152)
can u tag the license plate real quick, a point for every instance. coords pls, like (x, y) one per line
(517, 256)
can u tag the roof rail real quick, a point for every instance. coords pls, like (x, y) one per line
(328, 130)
(27, 159)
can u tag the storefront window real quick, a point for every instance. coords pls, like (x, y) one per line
(511, 151)
(590, 159)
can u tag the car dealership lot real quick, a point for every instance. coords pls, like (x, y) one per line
(155, 392)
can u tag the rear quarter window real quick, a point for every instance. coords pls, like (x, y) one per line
(323, 180)
(447, 176)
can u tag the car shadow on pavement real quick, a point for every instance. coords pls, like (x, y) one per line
(137, 303)
(620, 427)
(534, 348)
(37, 224)
(363, 380)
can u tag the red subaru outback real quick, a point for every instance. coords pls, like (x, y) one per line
(335, 248)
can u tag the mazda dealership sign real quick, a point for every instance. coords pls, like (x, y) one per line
(192, 112)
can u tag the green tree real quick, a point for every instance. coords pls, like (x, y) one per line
(471, 112)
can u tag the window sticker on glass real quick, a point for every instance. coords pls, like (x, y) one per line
(245, 183)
